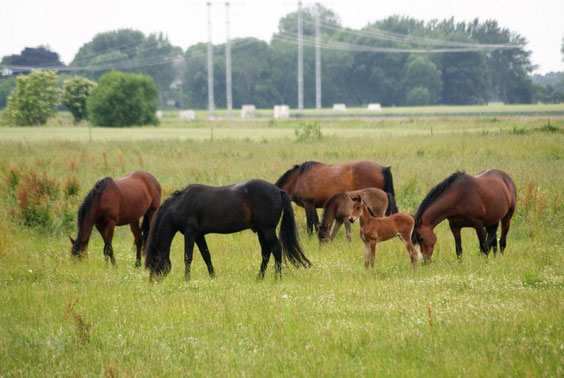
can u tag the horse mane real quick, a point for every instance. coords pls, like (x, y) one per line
(435, 193)
(301, 168)
(157, 220)
(87, 202)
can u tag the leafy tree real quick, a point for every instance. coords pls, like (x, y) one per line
(418, 96)
(6, 87)
(420, 73)
(34, 99)
(123, 99)
(75, 94)
(129, 51)
(39, 57)
(466, 79)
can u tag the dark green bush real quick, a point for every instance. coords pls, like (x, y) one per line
(122, 99)
(75, 94)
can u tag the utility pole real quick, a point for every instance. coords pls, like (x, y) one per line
(228, 64)
(317, 59)
(211, 105)
(300, 59)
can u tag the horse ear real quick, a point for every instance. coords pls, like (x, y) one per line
(71, 240)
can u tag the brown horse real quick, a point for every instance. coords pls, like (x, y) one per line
(479, 201)
(311, 184)
(374, 230)
(119, 202)
(338, 208)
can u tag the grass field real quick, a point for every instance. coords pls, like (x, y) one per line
(474, 317)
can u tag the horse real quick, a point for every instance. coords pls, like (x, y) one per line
(112, 203)
(374, 230)
(337, 209)
(481, 202)
(311, 184)
(198, 210)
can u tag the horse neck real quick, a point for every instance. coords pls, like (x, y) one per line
(289, 185)
(85, 228)
(435, 213)
(329, 215)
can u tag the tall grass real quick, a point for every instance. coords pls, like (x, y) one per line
(480, 316)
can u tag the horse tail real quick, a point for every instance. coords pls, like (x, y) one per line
(145, 225)
(389, 188)
(289, 235)
(391, 204)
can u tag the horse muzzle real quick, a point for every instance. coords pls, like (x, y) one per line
(351, 220)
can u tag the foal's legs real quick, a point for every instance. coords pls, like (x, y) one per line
(348, 230)
(188, 253)
(491, 238)
(366, 255)
(137, 240)
(205, 252)
(457, 240)
(406, 239)
(336, 228)
(265, 251)
(372, 252)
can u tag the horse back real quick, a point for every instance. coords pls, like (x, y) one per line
(133, 194)
(497, 192)
(322, 181)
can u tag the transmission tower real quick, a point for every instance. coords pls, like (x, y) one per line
(317, 59)
(228, 64)
(300, 59)
(211, 105)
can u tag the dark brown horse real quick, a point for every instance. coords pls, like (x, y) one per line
(480, 202)
(311, 184)
(198, 210)
(337, 209)
(119, 202)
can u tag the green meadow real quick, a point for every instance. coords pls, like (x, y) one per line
(474, 317)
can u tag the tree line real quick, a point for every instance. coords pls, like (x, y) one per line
(265, 73)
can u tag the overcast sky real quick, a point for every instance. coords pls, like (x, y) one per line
(65, 25)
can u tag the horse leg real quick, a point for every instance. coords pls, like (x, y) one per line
(311, 217)
(137, 240)
(205, 252)
(348, 230)
(108, 235)
(457, 240)
(491, 238)
(481, 238)
(265, 251)
(406, 239)
(335, 229)
(188, 253)
(505, 223)
(276, 248)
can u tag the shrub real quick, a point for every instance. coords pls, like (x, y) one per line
(6, 87)
(75, 94)
(309, 132)
(122, 99)
(34, 99)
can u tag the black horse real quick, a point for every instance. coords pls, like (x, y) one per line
(198, 210)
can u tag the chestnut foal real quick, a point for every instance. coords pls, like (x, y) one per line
(374, 230)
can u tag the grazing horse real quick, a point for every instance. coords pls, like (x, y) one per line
(374, 230)
(479, 201)
(311, 184)
(337, 209)
(119, 202)
(198, 210)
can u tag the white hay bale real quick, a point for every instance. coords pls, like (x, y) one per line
(339, 108)
(187, 115)
(248, 111)
(159, 114)
(374, 108)
(281, 112)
